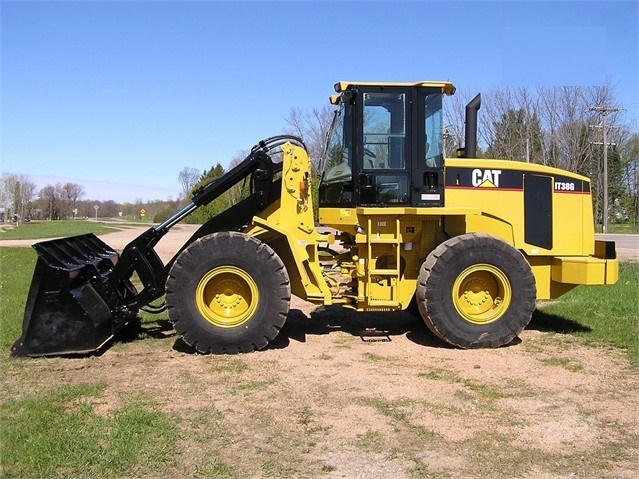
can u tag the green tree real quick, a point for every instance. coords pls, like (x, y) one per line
(624, 163)
(631, 179)
(205, 213)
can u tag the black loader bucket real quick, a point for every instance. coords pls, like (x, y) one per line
(72, 307)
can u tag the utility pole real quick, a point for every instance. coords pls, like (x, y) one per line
(604, 110)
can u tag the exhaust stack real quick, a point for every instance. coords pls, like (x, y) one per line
(470, 140)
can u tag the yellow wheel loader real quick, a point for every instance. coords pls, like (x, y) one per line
(468, 244)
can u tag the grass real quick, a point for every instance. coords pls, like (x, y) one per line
(16, 268)
(54, 229)
(481, 394)
(230, 365)
(371, 441)
(564, 363)
(59, 434)
(372, 357)
(620, 228)
(604, 315)
(497, 451)
(252, 386)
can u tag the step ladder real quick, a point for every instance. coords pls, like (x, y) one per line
(392, 274)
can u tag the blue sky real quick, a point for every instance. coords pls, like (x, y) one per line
(120, 96)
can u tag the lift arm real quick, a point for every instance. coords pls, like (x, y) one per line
(139, 255)
(81, 294)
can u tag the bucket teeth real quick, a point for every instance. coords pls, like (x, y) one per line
(74, 252)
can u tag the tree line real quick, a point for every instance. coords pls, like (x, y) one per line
(21, 199)
(560, 127)
(555, 126)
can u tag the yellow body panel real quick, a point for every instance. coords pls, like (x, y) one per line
(446, 87)
(288, 226)
(389, 244)
(584, 270)
(572, 223)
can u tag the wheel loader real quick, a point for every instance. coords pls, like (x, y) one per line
(468, 244)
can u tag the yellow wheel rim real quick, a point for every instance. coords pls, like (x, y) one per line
(227, 297)
(482, 294)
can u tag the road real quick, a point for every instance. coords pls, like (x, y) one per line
(627, 245)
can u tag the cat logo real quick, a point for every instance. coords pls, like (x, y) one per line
(486, 178)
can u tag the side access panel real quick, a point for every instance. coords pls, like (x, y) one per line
(538, 210)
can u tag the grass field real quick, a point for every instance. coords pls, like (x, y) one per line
(601, 314)
(54, 427)
(134, 436)
(55, 229)
(620, 228)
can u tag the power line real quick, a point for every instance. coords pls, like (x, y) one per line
(604, 111)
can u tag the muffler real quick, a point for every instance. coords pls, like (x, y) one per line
(72, 306)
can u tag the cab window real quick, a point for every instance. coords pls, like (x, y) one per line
(337, 182)
(433, 130)
(384, 131)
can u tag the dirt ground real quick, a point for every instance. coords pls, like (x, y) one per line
(346, 395)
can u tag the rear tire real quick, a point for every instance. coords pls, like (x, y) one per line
(476, 291)
(228, 293)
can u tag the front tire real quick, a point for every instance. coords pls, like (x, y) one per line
(228, 293)
(476, 291)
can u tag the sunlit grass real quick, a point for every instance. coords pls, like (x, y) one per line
(16, 269)
(602, 314)
(54, 229)
(620, 228)
(60, 435)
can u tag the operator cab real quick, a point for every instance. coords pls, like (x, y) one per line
(385, 147)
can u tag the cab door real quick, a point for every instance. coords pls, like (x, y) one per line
(400, 150)
(427, 179)
(384, 147)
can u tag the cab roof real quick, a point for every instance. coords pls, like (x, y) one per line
(446, 87)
